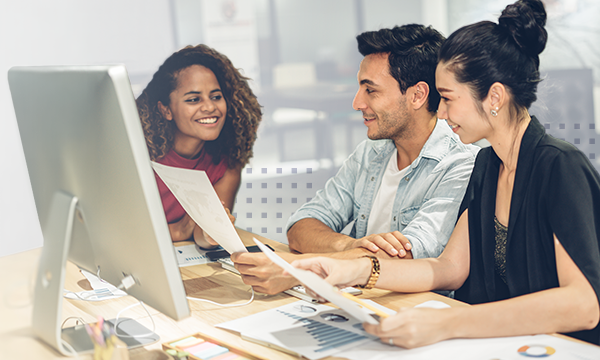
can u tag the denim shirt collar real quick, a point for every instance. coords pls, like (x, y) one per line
(438, 143)
(436, 146)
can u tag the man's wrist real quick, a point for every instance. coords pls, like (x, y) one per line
(354, 253)
(289, 257)
(339, 244)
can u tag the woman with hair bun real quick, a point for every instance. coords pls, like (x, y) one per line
(198, 112)
(525, 249)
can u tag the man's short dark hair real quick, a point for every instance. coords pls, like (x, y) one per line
(413, 51)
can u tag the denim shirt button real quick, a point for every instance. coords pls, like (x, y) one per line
(406, 178)
(394, 218)
(362, 216)
(373, 178)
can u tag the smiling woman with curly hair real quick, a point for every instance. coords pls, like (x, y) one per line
(198, 112)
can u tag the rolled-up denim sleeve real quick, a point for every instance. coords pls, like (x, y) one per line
(334, 204)
(431, 227)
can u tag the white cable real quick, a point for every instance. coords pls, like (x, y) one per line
(137, 335)
(98, 275)
(73, 317)
(85, 295)
(69, 349)
(224, 305)
(152, 332)
(127, 282)
(66, 346)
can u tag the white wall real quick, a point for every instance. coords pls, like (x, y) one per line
(136, 33)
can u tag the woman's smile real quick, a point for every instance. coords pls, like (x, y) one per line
(453, 126)
(208, 120)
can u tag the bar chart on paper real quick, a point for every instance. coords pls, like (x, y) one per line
(311, 330)
(328, 337)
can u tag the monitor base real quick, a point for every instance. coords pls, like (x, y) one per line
(47, 303)
(127, 331)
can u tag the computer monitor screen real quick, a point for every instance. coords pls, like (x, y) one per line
(94, 188)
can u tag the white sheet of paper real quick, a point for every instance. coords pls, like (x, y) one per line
(312, 330)
(195, 193)
(434, 304)
(505, 348)
(319, 286)
(101, 290)
(285, 327)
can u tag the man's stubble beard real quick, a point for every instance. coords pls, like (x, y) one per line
(396, 126)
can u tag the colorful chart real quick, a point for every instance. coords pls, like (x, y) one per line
(536, 351)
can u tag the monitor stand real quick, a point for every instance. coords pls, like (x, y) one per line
(47, 303)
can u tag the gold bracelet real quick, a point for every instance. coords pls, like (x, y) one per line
(375, 270)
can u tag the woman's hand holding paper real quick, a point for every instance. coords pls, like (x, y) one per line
(414, 327)
(337, 272)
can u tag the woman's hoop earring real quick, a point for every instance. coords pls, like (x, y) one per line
(494, 112)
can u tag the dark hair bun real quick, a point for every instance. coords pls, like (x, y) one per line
(525, 21)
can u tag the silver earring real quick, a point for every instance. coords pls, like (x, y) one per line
(494, 112)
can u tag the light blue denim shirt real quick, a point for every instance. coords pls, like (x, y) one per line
(427, 200)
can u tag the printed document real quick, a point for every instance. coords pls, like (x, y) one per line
(195, 193)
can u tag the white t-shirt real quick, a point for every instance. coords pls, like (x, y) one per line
(381, 212)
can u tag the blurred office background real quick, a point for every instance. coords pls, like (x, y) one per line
(303, 60)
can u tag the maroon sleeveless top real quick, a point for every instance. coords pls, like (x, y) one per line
(173, 210)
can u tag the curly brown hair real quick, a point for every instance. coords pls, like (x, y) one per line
(243, 110)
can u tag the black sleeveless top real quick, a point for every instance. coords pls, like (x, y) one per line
(556, 191)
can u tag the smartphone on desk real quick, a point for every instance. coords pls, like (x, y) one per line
(219, 254)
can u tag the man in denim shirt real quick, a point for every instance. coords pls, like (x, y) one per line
(402, 188)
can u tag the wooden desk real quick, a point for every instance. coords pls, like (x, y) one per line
(17, 277)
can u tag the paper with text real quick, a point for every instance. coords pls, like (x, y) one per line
(195, 193)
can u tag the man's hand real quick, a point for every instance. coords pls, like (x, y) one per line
(262, 274)
(393, 243)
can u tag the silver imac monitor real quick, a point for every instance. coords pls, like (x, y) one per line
(94, 189)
